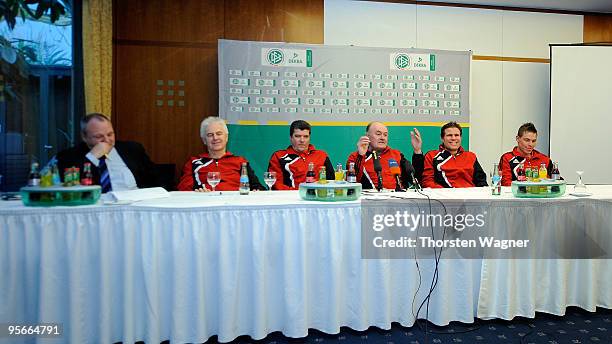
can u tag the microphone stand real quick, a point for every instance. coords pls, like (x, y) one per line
(378, 170)
(410, 170)
(415, 181)
(398, 184)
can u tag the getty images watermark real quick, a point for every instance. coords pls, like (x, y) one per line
(405, 220)
(462, 229)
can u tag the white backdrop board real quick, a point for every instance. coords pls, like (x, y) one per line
(581, 111)
(270, 82)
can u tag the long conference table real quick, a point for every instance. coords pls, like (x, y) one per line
(191, 266)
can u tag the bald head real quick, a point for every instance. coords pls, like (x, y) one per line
(378, 135)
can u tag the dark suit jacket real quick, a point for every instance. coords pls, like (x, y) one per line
(132, 153)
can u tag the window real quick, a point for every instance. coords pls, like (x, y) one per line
(36, 94)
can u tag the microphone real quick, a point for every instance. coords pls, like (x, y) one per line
(377, 169)
(410, 170)
(396, 172)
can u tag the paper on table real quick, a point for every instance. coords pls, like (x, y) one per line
(139, 194)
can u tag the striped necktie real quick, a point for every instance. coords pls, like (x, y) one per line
(105, 181)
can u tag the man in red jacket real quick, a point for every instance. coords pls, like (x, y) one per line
(450, 166)
(376, 140)
(524, 152)
(291, 164)
(214, 135)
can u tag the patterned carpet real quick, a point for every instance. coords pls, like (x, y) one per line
(576, 327)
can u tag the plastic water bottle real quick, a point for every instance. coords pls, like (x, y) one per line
(56, 176)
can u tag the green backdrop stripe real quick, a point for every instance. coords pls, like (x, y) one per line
(258, 142)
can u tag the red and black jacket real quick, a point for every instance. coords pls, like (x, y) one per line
(510, 161)
(196, 169)
(445, 170)
(364, 168)
(291, 166)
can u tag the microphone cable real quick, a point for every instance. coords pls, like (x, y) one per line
(437, 256)
(435, 278)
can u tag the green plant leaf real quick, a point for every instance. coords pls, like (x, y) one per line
(40, 10)
(10, 9)
(29, 52)
(23, 14)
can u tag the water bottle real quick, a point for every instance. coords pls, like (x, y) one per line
(496, 180)
(56, 176)
(244, 180)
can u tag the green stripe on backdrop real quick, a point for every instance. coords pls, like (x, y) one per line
(258, 142)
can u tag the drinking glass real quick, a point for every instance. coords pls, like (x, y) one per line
(213, 179)
(270, 179)
(580, 187)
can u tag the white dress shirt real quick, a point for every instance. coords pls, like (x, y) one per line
(121, 177)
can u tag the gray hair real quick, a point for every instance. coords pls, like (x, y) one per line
(85, 120)
(208, 121)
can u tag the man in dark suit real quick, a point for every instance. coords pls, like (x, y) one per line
(116, 165)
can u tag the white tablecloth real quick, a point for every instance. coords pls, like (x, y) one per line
(521, 287)
(194, 266)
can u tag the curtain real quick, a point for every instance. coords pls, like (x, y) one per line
(98, 55)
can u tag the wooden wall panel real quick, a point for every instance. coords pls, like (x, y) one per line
(597, 28)
(169, 130)
(166, 20)
(177, 40)
(275, 20)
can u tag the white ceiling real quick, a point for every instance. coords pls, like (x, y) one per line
(601, 6)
